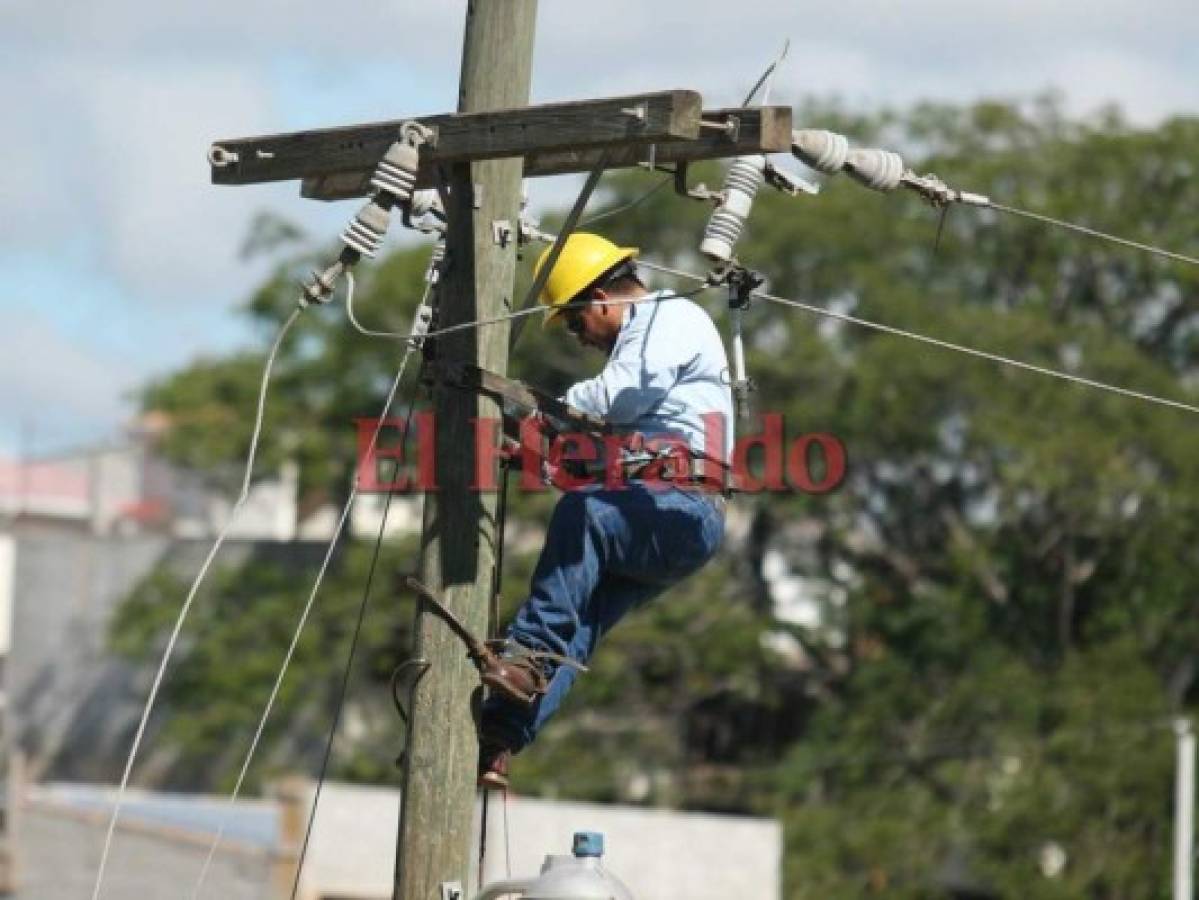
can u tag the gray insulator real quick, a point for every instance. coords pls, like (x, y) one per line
(366, 230)
(396, 172)
(823, 151)
(744, 179)
(880, 170)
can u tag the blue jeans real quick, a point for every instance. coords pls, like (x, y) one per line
(606, 552)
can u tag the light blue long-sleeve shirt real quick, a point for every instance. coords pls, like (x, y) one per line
(666, 371)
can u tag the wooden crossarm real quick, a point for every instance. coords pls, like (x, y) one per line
(764, 129)
(631, 121)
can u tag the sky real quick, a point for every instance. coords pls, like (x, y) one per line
(120, 259)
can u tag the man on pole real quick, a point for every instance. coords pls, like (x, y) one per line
(610, 548)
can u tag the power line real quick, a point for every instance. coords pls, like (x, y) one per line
(345, 680)
(630, 205)
(1091, 232)
(531, 311)
(946, 345)
(191, 595)
(303, 620)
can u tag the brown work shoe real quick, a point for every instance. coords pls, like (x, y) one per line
(516, 678)
(494, 760)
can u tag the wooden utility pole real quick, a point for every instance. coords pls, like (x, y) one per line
(458, 546)
(479, 153)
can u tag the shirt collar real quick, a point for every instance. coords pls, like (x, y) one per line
(630, 309)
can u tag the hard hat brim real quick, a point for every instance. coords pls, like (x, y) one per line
(554, 317)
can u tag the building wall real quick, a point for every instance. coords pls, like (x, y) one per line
(659, 854)
(72, 705)
(67, 583)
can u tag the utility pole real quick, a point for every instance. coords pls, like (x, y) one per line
(479, 155)
(1184, 810)
(457, 547)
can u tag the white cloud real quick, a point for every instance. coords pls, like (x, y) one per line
(121, 166)
(64, 389)
(223, 29)
(165, 224)
(872, 52)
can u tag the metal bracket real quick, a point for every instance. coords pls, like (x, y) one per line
(699, 192)
(219, 157)
(451, 890)
(743, 391)
(742, 283)
(938, 194)
(787, 182)
(501, 232)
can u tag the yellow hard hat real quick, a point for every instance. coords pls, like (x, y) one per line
(584, 258)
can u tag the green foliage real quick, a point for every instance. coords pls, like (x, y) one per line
(235, 643)
(1006, 578)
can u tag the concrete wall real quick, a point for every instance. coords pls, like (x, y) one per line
(660, 854)
(67, 583)
(72, 705)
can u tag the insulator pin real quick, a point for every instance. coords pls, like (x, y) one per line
(880, 170)
(821, 150)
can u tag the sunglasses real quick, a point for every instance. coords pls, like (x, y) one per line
(572, 317)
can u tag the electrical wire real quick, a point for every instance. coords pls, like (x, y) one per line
(345, 680)
(1091, 232)
(634, 203)
(358, 325)
(772, 73)
(256, 433)
(520, 313)
(549, 259)
(320, 577)
(946, 345)
(767, 77)
(474, 323)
